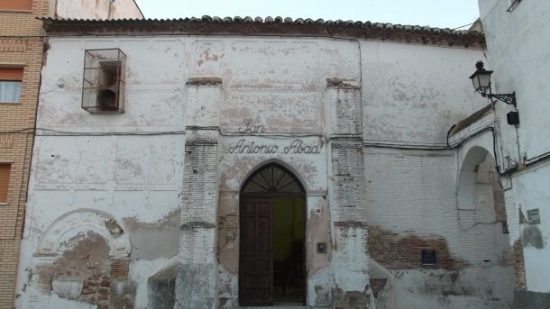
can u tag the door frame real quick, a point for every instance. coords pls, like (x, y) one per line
(244, 196)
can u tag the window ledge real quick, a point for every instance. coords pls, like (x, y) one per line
(3, 204)
(29, 11)
(10, 103)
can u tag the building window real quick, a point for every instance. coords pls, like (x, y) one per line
(104, 81)
(16, 5)
(428, 257)
(4, 182)
(10, 84)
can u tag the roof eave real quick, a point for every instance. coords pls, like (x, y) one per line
(263, 27)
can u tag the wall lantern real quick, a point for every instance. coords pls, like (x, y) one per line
(482, 84)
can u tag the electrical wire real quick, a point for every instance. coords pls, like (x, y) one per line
(463, 26)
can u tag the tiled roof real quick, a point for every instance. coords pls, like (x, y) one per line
(464, 123)
(264, 26)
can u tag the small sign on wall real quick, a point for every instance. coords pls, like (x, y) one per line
(533, 216)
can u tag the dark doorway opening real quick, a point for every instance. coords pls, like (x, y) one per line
(272, 239)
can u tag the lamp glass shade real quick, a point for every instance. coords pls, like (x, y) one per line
(481, 80)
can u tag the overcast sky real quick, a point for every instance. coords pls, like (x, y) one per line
(434, 13)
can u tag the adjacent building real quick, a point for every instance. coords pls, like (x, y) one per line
(21, 53)
(218, 163)
(516, 136)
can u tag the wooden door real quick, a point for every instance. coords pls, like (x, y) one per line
(256, 256)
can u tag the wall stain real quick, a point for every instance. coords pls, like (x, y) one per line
(532, 236)
(154, 240)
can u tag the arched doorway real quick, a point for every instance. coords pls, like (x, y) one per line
(272, 238)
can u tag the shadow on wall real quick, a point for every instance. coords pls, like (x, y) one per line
(162, 287)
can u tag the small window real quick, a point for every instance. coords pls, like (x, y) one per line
(104, 81)
(4, 182)
(428, 257)
(10, 84)
(16, 5)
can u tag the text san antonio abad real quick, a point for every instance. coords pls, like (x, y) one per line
(295, 146)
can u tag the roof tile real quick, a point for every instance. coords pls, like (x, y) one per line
(207, 25)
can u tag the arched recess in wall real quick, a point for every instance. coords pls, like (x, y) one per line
(83, 254)
(479, 187)
(80, 223)
(482, 210)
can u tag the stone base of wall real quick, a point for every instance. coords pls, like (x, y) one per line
(196, 286)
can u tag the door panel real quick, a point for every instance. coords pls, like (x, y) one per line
(256, 266)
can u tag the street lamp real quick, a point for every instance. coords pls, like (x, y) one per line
(481, 79)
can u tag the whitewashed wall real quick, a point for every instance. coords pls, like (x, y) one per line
(518, 52)
(412, 94)
(130, 166)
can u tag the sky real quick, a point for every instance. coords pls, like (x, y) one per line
(434, 13)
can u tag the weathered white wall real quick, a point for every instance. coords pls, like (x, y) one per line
(129, 166)
(96, 9)
(125, 9)
(428, 86)
(530, 189)
(411, 96)
(518, 52)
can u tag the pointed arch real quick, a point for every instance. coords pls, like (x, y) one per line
(272, 228)
(272, 177)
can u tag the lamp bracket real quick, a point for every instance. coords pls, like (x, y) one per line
(508, 98)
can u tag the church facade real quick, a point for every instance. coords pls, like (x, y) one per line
(219, 163)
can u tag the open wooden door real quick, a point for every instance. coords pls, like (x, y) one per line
(256, 256)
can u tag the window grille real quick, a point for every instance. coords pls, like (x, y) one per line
(104, 81)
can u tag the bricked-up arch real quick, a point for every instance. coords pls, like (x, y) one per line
(479, 186)
(82, 254)
(81, 222)
(481, 209)
(272, 238)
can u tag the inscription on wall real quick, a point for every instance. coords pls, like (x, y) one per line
(296, 146)
(246, 145)
(251, 129)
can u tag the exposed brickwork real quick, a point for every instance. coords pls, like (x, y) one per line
(350, 300)
(87, 260)
(17, 48)
(403, 251)
(200, 200)
(519, 264)
(120, 268)
(13, 45)
(21, 45)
